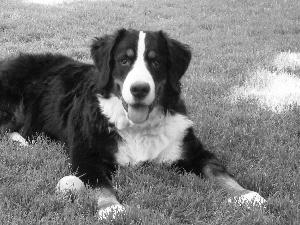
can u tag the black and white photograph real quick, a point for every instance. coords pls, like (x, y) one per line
(169, 112)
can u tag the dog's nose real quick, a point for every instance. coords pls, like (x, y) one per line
(140, 89)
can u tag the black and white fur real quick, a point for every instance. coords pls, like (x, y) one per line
(125, 109)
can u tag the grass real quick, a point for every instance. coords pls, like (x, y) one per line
(231, 41)
(276, 90)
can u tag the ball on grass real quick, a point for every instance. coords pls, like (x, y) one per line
(69, 183)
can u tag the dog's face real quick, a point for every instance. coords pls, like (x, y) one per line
(140, 72)
(141, 66)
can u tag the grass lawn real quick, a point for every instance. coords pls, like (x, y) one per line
(241, 48)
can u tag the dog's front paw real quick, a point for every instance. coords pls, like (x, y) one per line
(249, 199)
(15, 136)
(110, 212)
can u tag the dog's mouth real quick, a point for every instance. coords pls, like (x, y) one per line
(137, 113)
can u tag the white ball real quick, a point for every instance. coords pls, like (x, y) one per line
(69, 183)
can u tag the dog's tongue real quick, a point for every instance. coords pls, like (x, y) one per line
(138, 113)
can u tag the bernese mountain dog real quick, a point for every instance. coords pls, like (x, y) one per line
(125, 109)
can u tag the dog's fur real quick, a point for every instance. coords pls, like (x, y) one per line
(123, 110)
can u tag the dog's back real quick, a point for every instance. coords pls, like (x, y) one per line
(24, 81)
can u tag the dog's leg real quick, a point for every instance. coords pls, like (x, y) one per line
(15, 136)
(94, 170)
(196, 159)
(10, 127)
(108, 204)
(214, 172)
(12, 123)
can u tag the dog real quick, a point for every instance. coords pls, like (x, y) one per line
(125, 109)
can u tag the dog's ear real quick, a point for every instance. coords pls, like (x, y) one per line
(179, 60)
(102, 52)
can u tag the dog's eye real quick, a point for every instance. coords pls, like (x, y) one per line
(155, 63)
(125, 62)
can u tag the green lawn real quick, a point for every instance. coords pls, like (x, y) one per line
(230, 40)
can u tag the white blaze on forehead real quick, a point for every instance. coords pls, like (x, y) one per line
(139, 73)
(141, 46)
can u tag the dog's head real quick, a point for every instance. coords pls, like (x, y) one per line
(142, 68)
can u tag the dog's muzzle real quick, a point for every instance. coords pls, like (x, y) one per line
(139, 111)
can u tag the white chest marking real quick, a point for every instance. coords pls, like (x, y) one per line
(159, 139)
